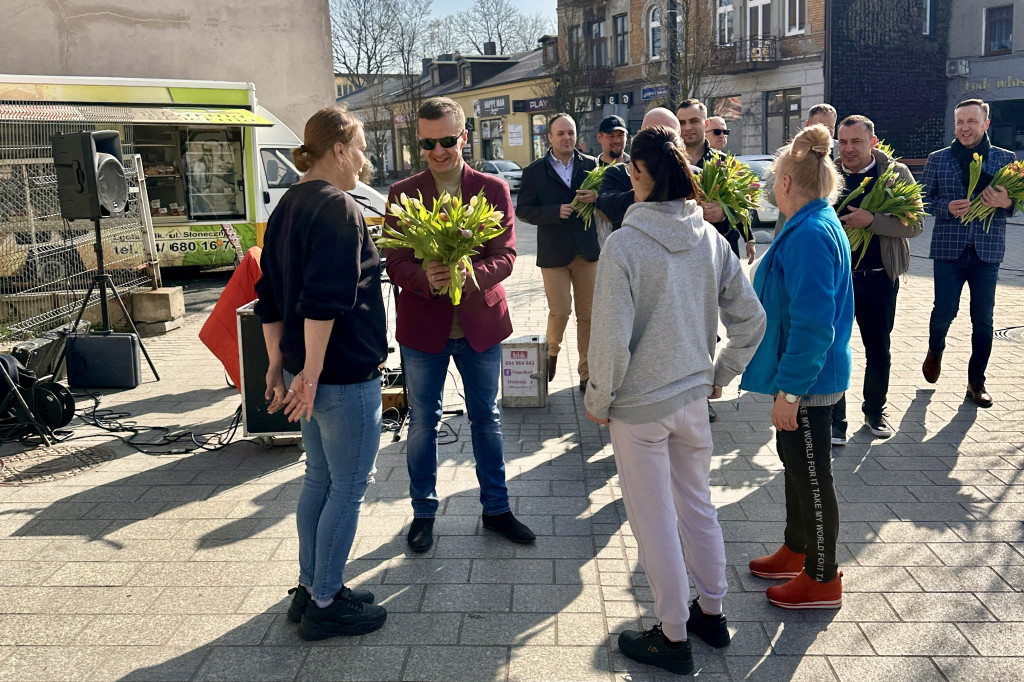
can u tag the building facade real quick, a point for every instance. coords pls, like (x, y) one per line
(284, 48)
(986, 60)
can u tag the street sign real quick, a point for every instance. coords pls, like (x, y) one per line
(653, 92)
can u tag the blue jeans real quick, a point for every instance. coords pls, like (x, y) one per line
(341, 441)
(981, 277)
(424, 377)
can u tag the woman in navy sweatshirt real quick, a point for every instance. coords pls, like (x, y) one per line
(324, 325)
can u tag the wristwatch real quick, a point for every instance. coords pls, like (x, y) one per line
(790, 398)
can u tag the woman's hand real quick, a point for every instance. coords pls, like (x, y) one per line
(716, 392)
(784, 414)
(298, 403)
(276, 391)
(602, 422)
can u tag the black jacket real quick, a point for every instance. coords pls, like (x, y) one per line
(616, 194)
(541, 194)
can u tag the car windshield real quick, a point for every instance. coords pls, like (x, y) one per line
(759, 166)
(506, 166)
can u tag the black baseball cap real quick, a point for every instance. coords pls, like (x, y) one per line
(612, 123)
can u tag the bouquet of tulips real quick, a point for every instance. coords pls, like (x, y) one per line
(592, 181)
(889, 194)
(735, 187)
(450, 233)
(1010, 177)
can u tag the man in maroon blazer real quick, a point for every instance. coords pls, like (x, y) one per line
(432, 331)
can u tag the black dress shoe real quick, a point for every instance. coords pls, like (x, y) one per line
(932, 367)
(552, 363)
(421, 534)
(508, 525)
(977, 395)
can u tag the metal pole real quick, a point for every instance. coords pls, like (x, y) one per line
(98, 247)
(671, 12)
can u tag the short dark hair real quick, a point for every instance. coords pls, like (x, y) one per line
(974, 103)
(822, 109)
(663, 153)
(857, 118)
(560, 114)
(438, 107)
(687, 103)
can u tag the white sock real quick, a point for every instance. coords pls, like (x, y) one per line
(323, 603)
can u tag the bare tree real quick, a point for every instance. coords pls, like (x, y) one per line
(688, 60)
(568, 87)
(362, 32)
(491, 21)
(441, 39)
(527, 29)
(411, 39)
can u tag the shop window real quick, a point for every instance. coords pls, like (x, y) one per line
(620, 28)
(654, 33)
(998, 30)
(796, 16)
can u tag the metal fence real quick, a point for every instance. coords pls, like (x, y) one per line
(46, 262)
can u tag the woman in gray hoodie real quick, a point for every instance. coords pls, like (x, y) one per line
(663, 281)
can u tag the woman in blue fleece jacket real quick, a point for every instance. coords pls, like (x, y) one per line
(804, 360)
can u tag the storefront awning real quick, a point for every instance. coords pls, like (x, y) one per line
(67, 113)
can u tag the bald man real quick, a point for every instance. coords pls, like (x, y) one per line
(616, 193)
(717, 132)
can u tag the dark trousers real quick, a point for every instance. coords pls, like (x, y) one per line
(812, 511)
(874, 305)
(981, 277)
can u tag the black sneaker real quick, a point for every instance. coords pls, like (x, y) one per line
(301, 599)
(650, 647)
(712, 629)
(421, 534)
(878, 425)
(508, 525)
(340, 617)
(839, 434)
(712, 415)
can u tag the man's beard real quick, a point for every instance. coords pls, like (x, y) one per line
(615, 153)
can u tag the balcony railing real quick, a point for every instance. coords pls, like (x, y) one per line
(749, 54)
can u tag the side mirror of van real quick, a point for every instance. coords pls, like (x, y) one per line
(266, 197)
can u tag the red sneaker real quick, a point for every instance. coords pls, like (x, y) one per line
(784, 564)
(803, 592)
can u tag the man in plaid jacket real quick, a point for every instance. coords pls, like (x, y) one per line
(965, 253)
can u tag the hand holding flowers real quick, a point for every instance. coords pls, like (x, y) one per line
(734, 187)
(889, 194)
(583, 204)
(444, 238)
(1008, 183)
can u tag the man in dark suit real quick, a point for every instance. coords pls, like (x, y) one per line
(432, 331)
(566, 250)
(965, 254)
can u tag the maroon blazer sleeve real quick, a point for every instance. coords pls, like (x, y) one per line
(494, 263)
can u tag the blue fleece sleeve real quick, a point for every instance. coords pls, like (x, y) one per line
(810, 283)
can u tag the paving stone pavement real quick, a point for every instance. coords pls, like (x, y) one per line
(175, 566)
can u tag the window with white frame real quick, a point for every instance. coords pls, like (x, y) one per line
(724, 22)
(654, 33)
(796, 16)
(759, 18)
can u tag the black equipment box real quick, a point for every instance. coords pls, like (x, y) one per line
(42, 353)
(253, 364)
(103, 361)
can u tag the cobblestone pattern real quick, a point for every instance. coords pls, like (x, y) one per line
(175, 567)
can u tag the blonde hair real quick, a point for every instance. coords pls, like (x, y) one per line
(808, 161)
(323, 129)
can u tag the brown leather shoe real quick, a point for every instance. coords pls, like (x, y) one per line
(932, 367)
(552, 362)
(977, 395)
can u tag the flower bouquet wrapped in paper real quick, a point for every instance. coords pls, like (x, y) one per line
(450, 234)
(592, 181)
(735, 187)
(889, 194)
(1010, 177)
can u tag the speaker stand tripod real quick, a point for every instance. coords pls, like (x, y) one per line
(22, 412)
(103, 281)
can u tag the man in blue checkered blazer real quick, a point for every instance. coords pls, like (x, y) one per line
(965, 253)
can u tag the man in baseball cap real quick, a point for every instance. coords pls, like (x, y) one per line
(611, 135)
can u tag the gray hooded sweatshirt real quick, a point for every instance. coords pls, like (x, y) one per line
(663, 280)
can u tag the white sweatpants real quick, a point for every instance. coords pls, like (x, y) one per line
(665, 470)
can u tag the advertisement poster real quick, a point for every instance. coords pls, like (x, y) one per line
(517, 366)
(515, 135)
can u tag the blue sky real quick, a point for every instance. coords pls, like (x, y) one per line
(444, 7)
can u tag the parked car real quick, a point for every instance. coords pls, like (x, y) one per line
(509, 171)
(766, 213)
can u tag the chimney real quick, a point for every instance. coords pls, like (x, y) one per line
(490, 48)
(426, 65)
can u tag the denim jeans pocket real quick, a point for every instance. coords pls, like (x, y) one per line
(329, 398)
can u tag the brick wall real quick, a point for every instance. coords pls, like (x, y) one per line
(884, 68)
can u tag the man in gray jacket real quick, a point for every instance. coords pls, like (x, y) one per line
(876, 274)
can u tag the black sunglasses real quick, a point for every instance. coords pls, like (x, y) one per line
(719, 131)
(428, 143)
